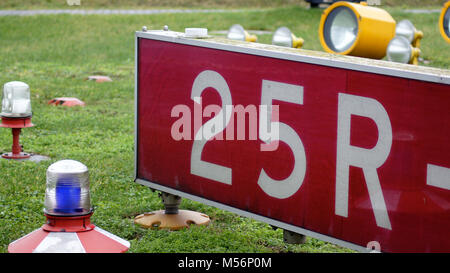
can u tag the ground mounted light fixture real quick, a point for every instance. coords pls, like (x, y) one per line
(404, 47)
(444, 22)
(66, 101)
(67, 207)
(356, 29)
(284, 37)
(171, 217)
(406, 29)
(16, 114)
(237, 32)
(400, 50)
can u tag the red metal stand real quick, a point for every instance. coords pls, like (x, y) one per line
(16, 125)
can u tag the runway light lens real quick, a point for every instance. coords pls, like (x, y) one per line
(447, 22)
(284, 37)
(340, 29)
(67, 190)
(16, 100)
(444, 22)
(399, 50)
(237, 32)
(354, 29)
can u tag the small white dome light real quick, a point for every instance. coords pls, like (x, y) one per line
(284, 37)
(400, 50)
(237, 32)
(406, 29)
(16, 100)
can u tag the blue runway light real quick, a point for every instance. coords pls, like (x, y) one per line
(68, 196)
(67, 190)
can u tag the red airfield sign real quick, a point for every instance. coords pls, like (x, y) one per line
(352, 153)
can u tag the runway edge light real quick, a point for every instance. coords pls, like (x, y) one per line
(356, 29)
(284, 37)
(237, 32)
(406, 29)
(68, 228)
(404, 47)
(16, 114)
(400, 50)
(444, 22)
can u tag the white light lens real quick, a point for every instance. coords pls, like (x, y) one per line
(406, 29)
(236, 32)
(16, 100)
(282, 37)
(340, 29)
(399, 50)
(67, 190)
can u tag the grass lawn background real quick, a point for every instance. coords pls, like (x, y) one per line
(55, 54)
(114, 4)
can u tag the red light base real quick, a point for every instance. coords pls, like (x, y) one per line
(20, 155)
(69, 234)
(24, 122)
(16, 125)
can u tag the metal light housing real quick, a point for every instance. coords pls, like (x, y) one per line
(237, 32)
(406, 29)
(356, 29)
(444, 22)
(16, 100)
(68, 227)
(67, 192)
(400, 50)
(284, 37)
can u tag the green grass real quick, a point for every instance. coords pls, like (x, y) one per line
(146, 4)
(55, 55)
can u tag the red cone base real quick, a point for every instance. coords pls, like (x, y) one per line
(69, 235)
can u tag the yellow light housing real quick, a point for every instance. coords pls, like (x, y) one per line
(356, 29)
(284, 37)
(444, 22)
(237, 32)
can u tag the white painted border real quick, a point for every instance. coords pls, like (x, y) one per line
(428, 74)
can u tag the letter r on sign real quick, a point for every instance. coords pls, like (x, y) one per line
(367, 159)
